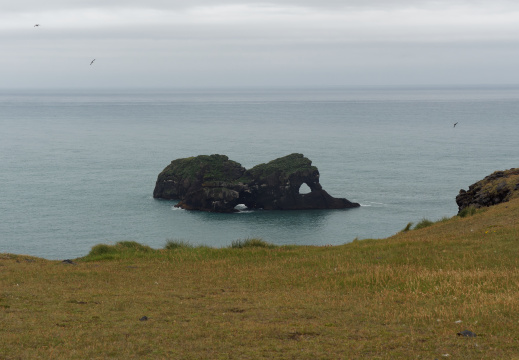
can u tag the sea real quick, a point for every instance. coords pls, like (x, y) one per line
(78, 167)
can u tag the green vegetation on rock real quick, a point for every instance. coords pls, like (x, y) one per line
(501, 186)
(209, 167)
(287, 165)
(216, 184)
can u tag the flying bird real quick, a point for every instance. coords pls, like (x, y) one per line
(36, 25)
(455, 124)
(92, 61)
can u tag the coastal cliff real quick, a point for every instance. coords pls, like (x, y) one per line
(499, 187)
(216, 184)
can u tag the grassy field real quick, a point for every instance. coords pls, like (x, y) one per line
(405, 297)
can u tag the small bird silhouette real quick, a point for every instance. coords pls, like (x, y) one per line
(36, 25)
(455, 124)
(92, 61)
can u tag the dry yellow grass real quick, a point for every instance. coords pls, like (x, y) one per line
(396, 298)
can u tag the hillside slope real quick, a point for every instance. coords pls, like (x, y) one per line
(404, 297)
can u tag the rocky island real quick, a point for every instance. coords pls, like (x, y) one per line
(216, 184)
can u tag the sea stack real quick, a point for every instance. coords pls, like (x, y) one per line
(216, 184)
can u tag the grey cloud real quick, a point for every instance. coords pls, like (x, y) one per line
(52, 5)
(426, 43)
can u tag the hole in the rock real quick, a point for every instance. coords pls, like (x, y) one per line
(241, 207)
(304, 189)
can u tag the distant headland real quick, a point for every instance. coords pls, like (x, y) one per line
(216, 184)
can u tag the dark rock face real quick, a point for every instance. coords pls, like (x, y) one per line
(215, 183)
(205, 182)
(499, 187)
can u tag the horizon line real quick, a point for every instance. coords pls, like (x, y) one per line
(273, 87)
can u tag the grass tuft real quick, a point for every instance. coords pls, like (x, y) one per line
(177, 244)
(121, 249)
(468, 211)
(133, 246)
(102, 249)
(249, 243)
(423, 224)
(407, 227)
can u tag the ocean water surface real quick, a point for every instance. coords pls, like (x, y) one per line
(78, 167)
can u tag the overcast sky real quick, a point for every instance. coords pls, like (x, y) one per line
(198, 43)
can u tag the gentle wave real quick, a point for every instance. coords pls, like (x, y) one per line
(373, 203)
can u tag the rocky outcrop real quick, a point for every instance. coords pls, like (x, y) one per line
(499, 187)
(215, 183)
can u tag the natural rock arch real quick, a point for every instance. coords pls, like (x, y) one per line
(215, 183)
(304, 189)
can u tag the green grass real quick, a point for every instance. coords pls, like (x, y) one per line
(120, 249)
(251, 243)
(177, 244)
(468, 211)
(423, 224)
(395, 298)
(407, 227)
